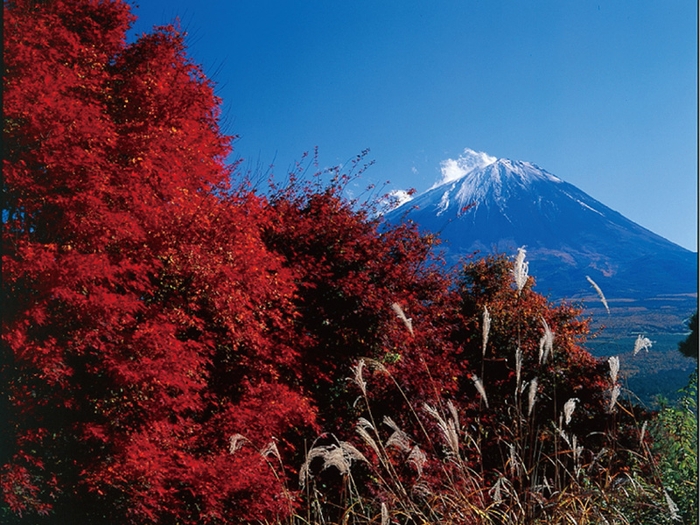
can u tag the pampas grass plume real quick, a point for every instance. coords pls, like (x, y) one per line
(642, 343)
(401, 315)
(520, 269)
(531, 395)
(480, 387)
(600, 294)
(485, 330)
(614, 363)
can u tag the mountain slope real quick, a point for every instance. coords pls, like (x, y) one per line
(568, 234)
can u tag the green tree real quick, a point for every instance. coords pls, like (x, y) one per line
(676, 443)
(689, 346)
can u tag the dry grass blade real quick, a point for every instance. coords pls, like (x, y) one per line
(642, 343)
(271, 450)
(546, 342)
(338, 456)
(235, 442)
(514, 462)
(398, 438)
(480, 388)
(672, 507)
(361, 430)
(448, 429)
(614, 394)
(401, 315)
(485, 330)
(385, 514)
(569, 408)
(520, 269)
(614, 363)
(357, 376)
(455, 416)
(531, 396)
(600, 293)
(418, 459)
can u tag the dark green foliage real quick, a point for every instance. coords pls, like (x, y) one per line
(689, 346)
(676, 442)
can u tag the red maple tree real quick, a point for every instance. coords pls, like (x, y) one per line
(142, 309)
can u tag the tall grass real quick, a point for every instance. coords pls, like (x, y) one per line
(432, 468)
(436, 474)
(384, 478)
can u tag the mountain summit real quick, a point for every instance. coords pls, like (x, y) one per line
(486, 205)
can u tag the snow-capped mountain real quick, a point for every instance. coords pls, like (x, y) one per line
(490, 205)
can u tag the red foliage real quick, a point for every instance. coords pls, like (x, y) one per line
(143, 311)
(349, 269)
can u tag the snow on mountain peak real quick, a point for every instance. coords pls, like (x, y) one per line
(498, 179)
(468, 161)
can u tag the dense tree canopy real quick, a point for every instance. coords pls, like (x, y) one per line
(169, 343)
(689, 346)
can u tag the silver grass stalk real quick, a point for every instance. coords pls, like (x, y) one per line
(401, 315)
(520, 270)
(364, 423)
(377, 365)
(563, 434)
(235, 442)
(577, 449)
(351, 453)
(455, 416)
(495, 492)
(369, 440)
(546, 484)
(448, 429)
(271, 450)
(531, 396)
(614, 394)
(421, 489)
(398, 438)
(546, 342)
(418, 459)
(614, 363)
(357, 376)
(304, 472)
(518, 367)
(391, 424)
(480, 388)
(642, 343)
(514, 461)
(642, 433)
(569, 408)
(485, 330)
(672, 507)
(385, 514)
(600, 294)
(338, 456)
(335, 456)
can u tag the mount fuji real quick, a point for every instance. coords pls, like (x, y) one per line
(486, 205)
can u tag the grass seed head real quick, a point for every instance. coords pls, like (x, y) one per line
(532, 393)
(520, 269)
(642, 343)
(485, 330)
(600, 294)
(614, 363)
(480, 388)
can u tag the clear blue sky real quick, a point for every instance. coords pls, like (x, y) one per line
(601, 93)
